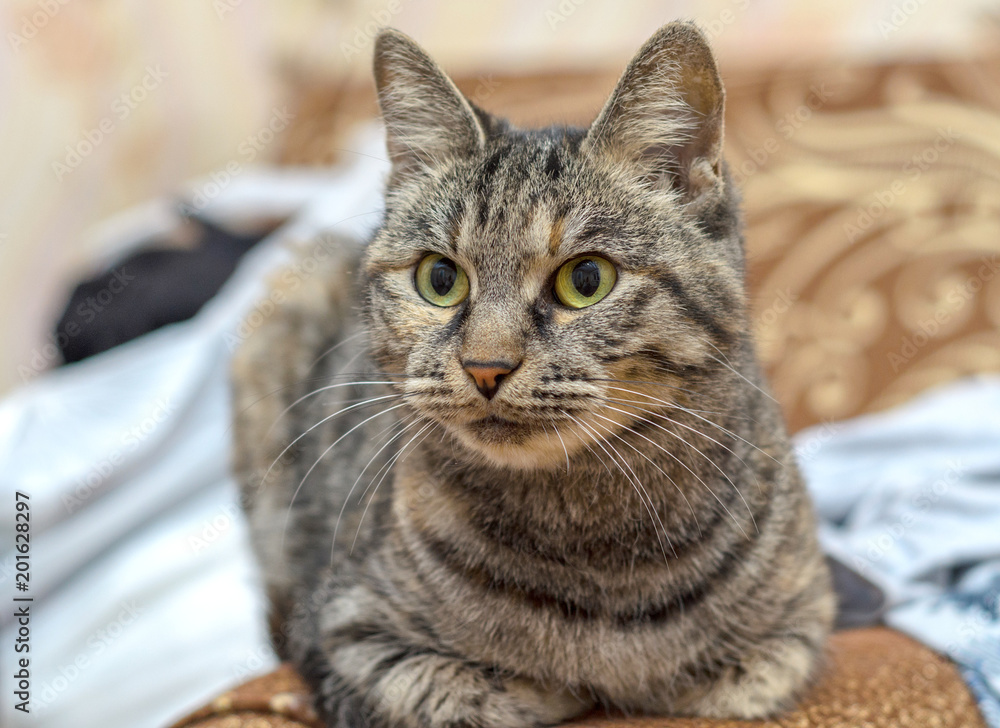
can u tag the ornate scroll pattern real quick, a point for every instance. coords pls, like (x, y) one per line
(873, 201)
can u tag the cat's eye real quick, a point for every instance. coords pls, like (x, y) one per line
(441, 281)
(584, 281)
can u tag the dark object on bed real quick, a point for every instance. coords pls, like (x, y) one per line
(152, 287)
(860, 603)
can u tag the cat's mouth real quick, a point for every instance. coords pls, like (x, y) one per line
(525, 443)
(499, 427)
(498, 430)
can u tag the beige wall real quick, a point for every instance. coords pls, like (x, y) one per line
(106, 103)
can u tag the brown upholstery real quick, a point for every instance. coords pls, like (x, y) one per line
(876, 678)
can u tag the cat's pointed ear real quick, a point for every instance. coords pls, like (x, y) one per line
(427, 119)
(664, 118)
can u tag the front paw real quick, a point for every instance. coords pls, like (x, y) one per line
(760, 686)
(430, 690)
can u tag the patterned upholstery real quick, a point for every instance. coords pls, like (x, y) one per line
(874, 231)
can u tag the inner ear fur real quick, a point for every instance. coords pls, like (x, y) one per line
(427, 119)
(665, 117)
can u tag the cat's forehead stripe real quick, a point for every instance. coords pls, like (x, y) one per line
(556, 235)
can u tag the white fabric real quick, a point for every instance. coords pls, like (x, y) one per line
(910, 499)
(146, 601)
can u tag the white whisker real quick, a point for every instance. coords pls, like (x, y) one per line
(649, 510)
(687, 427)
(406, 424)
(645, 493)
(676, 406)
(313, 393)
(345, 340)
(653, 463)
(388, 466)
(320, 458)
(731, 368)
(328, 418)
(709, 460)
(563, 443)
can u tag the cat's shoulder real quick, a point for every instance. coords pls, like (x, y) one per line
(303, 302)
(304, 308)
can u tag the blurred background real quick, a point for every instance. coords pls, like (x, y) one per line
(865, 135)
(107, 104)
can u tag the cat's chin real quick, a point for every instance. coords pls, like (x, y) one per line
(511, 444)
(499, 430)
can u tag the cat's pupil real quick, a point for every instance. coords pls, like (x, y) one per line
(443, 276)
(587, 277)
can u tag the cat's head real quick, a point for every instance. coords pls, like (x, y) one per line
(539, 288)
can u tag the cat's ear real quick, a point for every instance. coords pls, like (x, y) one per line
(427, 119)
(664, 118)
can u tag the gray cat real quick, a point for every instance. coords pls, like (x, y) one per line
(514, 459)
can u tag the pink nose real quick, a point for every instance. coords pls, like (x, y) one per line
(488, 375)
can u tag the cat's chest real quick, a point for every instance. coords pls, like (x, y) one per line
(567, 616)
(538, 540)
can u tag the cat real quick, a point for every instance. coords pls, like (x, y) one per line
(514, 459)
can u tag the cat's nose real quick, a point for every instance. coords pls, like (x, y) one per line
(488, 375)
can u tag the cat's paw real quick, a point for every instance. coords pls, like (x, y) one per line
(437, 691)
(760, 686)
(543, 707)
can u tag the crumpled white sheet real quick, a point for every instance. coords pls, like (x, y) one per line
(910, 499)
(146, 601)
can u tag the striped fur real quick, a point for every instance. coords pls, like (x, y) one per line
(623, 523)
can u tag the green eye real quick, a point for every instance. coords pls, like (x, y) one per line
(441, 282)
(584, 281)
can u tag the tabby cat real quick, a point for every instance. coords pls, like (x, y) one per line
(515, 459)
